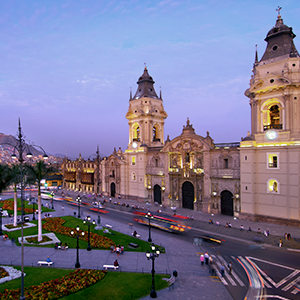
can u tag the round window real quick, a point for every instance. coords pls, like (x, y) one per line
(275, 48)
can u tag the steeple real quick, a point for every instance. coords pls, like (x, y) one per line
(145, 88)
(280, 42)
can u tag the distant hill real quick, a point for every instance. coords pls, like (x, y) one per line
(10, 141)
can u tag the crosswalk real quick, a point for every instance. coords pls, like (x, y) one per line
(290, 283)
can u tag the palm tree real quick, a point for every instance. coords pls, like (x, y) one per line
(15, 178)
(39, 171)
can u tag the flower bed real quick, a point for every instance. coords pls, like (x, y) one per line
(96, 240)
(3, 273)
(34, 240)
(57, 288)
(11, 226)
(9, 205)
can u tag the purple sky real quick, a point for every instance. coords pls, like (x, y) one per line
(67, 66)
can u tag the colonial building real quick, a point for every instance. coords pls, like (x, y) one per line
(270, 154)
(188, 171)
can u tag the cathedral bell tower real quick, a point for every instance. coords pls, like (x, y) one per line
(270, 153)
(145, 115)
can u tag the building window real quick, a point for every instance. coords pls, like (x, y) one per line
(133, 176)
(273, 186)
(136, 133)
(156, 162)
(187, 157)
(133, 160)
(225, 163)
(272, 160)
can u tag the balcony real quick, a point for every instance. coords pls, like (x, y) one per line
(272, 126)
(273, 165)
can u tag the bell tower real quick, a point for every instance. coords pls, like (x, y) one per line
(146, 115)
(270, 153)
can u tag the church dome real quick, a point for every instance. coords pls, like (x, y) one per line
(145, 88)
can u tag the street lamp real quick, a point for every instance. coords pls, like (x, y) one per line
(88, 222)
(78, 199)
(152, 255)
(52, 195)
(77, 235)
(149, 216)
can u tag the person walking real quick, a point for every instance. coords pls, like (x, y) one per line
(206, 258)
(280, 243)
(202, 259)
(222, 270)
(230, 268)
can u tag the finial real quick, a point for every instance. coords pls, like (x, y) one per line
(278, 9)
(187, 121)
(130, 93)
(145, 66)
(160, 95)
(256, 55)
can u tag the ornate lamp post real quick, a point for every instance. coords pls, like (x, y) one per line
(52, 195)
(77, 235)
(88, 222)
(152, 255)
(149, 216)
(78, 200)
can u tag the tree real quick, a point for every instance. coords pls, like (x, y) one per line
(39, 171)
(4, 177)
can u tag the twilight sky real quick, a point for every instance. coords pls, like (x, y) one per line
(67, 66)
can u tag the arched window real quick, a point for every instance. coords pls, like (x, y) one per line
(187, 157)
(274, 115)
(155, 134)
(133, 176)
(273, 186)
(136, 133)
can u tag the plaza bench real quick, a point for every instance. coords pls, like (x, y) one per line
(108, 226)
(110, 267)
(40, 263)
(170, 281)
(133, 245)
(136, 236)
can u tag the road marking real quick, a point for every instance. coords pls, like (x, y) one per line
(291, 284)
(284, 280)
(268, 262)
(227, 275)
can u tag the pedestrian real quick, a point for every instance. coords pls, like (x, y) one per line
(206, 258)
(222, 270)
(202, 259)
(289, 236)
(62, 207)
(242, 227)
(230, 268)
(116, 263)
(48, 259)
(280, 243)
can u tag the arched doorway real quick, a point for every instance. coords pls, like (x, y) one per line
(227, 203)
(112, 189)
(157, 194)
(188, 195)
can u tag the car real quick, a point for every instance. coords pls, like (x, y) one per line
(210, 239)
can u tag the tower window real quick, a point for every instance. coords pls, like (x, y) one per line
(187, 157)
(273, 186)
(133, 160)
(272, 160)
(274, 115)
(294, 65)
(225, 163)
(272, 80)
(156, 162)
(275, 48)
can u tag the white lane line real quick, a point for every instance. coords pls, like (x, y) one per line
(268, 262)
(284, 280)
(266, 276)
(287, 287)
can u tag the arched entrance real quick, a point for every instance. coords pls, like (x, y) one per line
(112, 189)
(227, 203)
(157, 194)
(188, 195)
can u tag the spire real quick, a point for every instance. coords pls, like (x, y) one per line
(160, 95)
(145, 86)
(256, 55)
(130, 94)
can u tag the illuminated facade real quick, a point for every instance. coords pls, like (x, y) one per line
(188, 171)
(270, 155)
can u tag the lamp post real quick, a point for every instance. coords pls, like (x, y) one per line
(20, 148)
(78, 199)
(88, 222)
(77, 235)
(149, 216)
(152, 255)
(52, 195)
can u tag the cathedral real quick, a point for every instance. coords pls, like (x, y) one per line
(255, 178)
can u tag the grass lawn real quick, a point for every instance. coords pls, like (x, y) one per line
(117, 237)
(115, 285)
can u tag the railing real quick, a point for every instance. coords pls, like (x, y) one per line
(272, 126)
(136, 140)
(272, 165)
